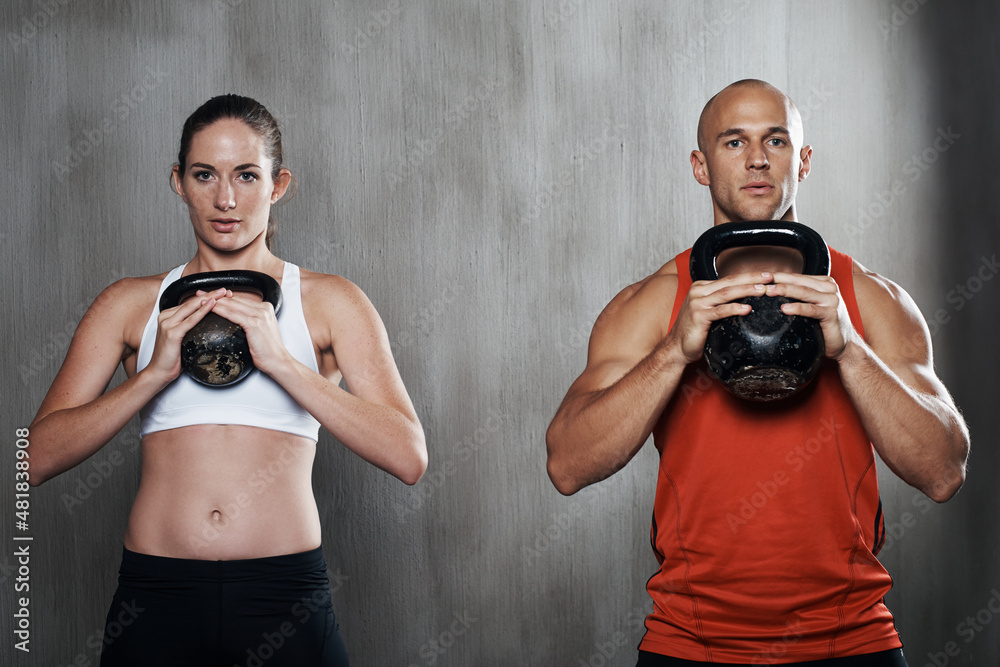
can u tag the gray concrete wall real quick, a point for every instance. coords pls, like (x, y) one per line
(491, 174)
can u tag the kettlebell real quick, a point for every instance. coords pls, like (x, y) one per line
(764, 355)
(215, 351)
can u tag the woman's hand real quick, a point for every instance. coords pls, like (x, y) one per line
(260, 324)
(173, 324)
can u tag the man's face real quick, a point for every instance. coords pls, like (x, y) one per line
(751, 158)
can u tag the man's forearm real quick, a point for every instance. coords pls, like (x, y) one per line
(594, 434)
(921, 437)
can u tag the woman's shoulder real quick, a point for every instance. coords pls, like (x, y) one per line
(140, 289)
(337, 305)
(318, 286)
(123, 306)
(126, 302)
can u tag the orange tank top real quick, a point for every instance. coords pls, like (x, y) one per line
(767, 520)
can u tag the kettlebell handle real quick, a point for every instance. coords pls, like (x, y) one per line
(815, 254)
(236, 280)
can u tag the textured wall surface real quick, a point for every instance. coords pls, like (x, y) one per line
(491, 173)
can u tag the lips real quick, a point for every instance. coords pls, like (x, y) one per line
(758, 187)
(224, 225)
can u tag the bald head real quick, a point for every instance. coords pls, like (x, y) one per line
(750, 153)
(731, 95)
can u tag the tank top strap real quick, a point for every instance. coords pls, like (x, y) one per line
(292, 320)
(842, 271)
(145, 351)
(683, 282)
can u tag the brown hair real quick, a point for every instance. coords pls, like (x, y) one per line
(249, 111)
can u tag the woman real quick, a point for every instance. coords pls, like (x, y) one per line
(222, 561)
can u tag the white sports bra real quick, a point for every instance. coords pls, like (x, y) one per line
(257, 400)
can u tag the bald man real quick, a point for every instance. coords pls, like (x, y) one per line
(767, 518)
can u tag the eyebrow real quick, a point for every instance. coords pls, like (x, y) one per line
(736, 131)
(239, 167)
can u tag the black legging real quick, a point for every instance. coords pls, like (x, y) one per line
(262, 612)
(893, 658)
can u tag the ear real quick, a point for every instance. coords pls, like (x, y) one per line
(177, 181)
(805, 162)
(699, 165)
(281, 185)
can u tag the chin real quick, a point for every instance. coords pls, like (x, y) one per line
(769, 213)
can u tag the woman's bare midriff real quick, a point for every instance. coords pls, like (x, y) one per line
(224, 492)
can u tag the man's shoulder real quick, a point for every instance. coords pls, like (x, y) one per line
(888, 312)
(873, 290)
(651, 298)
(663, 280)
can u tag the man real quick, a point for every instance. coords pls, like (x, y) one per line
(767, 517)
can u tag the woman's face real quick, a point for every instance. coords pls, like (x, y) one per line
(227, 185)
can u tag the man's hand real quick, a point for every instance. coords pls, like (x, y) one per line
(708, 301)
(817, 297)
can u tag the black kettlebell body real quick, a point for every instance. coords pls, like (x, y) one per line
(765, 355)
(215, 351)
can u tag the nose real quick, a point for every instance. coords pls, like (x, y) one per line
(757, 157)
(225, 197)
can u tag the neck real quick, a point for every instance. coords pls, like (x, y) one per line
(254, 257)
(721, 217)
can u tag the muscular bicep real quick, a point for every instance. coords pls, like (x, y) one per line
(898, 335)
(625, 333)
(98, 346)
(361, 348)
